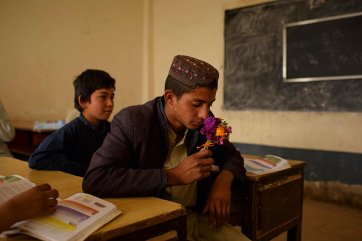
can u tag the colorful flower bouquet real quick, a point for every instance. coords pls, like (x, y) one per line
(216, 131)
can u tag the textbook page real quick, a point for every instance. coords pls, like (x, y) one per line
(265, 164)
(13, 185)
(75, 219)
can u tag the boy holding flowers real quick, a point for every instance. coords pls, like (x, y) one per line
(154, 150)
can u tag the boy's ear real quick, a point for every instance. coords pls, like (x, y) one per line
(169, 96)
(81, 102)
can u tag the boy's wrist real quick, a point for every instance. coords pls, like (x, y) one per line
(225, 178)
(9, 214)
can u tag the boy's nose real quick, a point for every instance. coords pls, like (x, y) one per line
(110, 102)
(204, 113)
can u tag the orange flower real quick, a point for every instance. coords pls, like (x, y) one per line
(220, 131)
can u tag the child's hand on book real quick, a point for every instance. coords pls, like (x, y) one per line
(37, 201)
(47, 218)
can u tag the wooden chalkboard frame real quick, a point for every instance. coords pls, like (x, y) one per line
(310, 58)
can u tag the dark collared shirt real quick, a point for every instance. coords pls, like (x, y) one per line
(70, 148)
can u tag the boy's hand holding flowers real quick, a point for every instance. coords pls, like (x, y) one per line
(193, 168)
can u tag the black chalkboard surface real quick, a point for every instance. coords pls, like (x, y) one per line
(254, 60)
(323, 49)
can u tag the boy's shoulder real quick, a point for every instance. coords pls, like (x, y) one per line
(144, 113)
(81, 123)
(72, 125)
(142, 109)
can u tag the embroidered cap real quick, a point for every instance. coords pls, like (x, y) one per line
(191, 71)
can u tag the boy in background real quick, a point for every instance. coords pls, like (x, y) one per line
(70, 148)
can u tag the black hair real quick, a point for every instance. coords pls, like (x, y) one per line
(179, 88)
(89, 81)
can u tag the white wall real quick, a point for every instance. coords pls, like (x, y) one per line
(45, 44)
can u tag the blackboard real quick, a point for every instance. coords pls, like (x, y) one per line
(254, 60)
(323, 49)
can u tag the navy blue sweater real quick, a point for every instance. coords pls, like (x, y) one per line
(70, 148)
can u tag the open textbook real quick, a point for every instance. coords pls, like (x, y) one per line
(76, 217)
(265, 164)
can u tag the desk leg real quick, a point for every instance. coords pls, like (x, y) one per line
(181, 228)
(295, 234)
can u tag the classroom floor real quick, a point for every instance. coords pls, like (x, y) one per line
(329, 222)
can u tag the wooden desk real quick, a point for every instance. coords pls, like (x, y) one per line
(26, 138)
(141, 218)
(272, 204)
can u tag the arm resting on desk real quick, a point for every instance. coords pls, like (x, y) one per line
(51, 155)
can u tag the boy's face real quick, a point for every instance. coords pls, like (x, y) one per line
(100, 106)
(190, 110)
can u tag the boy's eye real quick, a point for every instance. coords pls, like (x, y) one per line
(196, 104)
(199, 104)
(102, 97)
